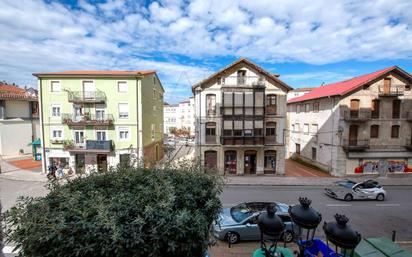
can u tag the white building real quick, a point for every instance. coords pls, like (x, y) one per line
(360, 125)
(180, 116)
(19, 120)
(241, 120)
(298, 92)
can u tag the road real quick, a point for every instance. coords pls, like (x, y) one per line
(370, 218)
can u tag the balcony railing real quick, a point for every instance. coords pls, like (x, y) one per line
(357, 115)
(87, 119)
(244, 80)
(87, 97)
(355, 144)
(391, 90)
(90, 146)
(242, 140)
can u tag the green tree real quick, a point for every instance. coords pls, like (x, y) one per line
(125, 212)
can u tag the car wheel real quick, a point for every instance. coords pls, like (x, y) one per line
(348, 198)
(380, 197)
(232, 237)
(288, 236)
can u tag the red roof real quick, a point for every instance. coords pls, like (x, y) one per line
(14, 92)
(96, 73)
(341, 88)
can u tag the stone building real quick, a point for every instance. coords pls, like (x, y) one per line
(241, 120)
(360, 125)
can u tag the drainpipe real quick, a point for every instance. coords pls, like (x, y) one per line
(332, 134)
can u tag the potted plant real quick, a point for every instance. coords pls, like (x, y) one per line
(67, 144)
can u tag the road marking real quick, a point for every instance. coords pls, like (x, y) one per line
(387, 204)
(338, 205)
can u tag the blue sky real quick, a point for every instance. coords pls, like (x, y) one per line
(185, 41)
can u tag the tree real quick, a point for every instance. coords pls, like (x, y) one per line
(126, 212)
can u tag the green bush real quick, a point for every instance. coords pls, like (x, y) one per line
(127, 212)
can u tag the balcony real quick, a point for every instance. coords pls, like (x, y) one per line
(255, 81)
(355, 144)
(79, 97)
(242, 140)
(357, 115)
(391, 90)
(87, 119)
(91, 146)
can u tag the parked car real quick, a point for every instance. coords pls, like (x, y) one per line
(240, 222)
(349, 190)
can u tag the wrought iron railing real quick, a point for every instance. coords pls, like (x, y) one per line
(87, 119)
(353, 115)
(87, 96)
(356, 143)
(391, 90)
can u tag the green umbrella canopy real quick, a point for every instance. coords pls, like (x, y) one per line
(36, 142)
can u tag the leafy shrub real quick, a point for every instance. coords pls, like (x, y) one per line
(127, 212)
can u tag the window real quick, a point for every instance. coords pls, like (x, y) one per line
(354, 108)
(241, 77)
(307, 107)
(314, 128)
(122, 87)
(297, 146)
(227, 132)
(314, 153)
(258, 132)
(248, 132)
(396, 109)
(35, 108)
(55, 111)
(316, 107)
(374, 131)
(270, 162)
(270, 100)
(298, 108)
(238, 132)
(123, 111)
(210, 129)
(100, 114)
(297, 126)
(270, 129)
(210, 104)
(124, 159)
(306, 128)
(293, 128)
(55, 86)
(101, 135)
(210, 159)
(124, 133)
(407, 87)
(79, 136)
(57, 133)
(395, 131)
(375, 108)
(154, 80)
(219, 80)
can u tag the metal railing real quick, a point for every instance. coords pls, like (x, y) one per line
(391, 90)
(87, 96)
(244, 80)
(357, 115)
(356, 144)
(87, 119)
(89, 145)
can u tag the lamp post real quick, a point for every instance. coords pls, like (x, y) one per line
(271, 229)
(307, 219)
(342, 236)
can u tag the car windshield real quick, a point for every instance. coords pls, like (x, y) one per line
(245, 210)
(346, 183)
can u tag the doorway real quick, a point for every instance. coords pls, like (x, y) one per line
(250, 162)
(353, 135)
(80, 161)
(230, 162)
(102, 162)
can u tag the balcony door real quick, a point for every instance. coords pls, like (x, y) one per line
(79, 138)
(353, 135)
(387, 85)
(77, 112)
(354, 108)
(102, 162)
(88, 90)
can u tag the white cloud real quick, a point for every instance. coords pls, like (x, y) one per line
(40, 36)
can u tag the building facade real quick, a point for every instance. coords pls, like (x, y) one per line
(19, 120)
(361, 125)
(180, 116)
(92, 120)
(298, 92)
(241, 120)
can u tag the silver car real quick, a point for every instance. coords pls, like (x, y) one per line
(349, 190)
(240, 222)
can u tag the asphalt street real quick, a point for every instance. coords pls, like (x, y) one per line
(370, 218)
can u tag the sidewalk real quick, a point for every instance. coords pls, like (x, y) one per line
(11, 172)
(405, 180)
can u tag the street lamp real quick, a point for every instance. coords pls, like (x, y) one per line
(342, 236)
(270, 225)
(307, 219)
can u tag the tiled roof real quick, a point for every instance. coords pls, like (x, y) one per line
(96, 73)
(343, 87)
(14, 92)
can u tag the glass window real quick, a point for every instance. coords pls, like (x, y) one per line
(270, 100)
(248, 132)
(124, 159)
(124, 133)
(306, 128)
(55, 111)
(258, 132)
(270, 162)
(298, 108)
(395, 131)
(227, 132)
(314, 128)
(270, 129)
(123, 111)
(100, 114)
(238, 132)
(307, 107)
(57, 133)
(122, 86)
(101, 135)
(316, 107)
(314, 153)
(210, 104)
(374, 131)
(55, 86)
(210, 129)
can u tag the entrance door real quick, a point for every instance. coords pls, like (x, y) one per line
(250, 162)
(102, 162)
(80, 161)
(353, 135)
(230, 162)
(211, 159)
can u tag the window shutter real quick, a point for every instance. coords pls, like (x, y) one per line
(248, 124)
(227, 124)
(259, 99)
(228, 99)
(238, 99)
(238, 124)
(249, 99)
(258, 123)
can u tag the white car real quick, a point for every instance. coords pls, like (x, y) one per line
(349, 190)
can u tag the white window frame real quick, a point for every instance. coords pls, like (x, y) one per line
(51, 86)
(84, 136)
(306, 128)
(51, 110)
(100, 109)
(313, 128)
(123, 129)
(118, 86)
(101, 131)
(53, 129)
(128, 111)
